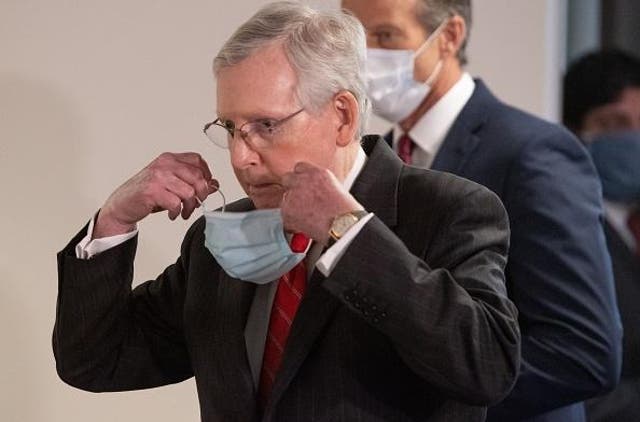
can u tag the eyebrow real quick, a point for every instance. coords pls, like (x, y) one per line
(384, 27)
(250, 117)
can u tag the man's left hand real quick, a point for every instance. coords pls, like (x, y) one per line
(313, 198)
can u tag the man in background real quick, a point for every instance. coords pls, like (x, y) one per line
(559, 272)
(602, 106)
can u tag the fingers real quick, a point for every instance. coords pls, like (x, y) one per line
(172, 182)
(186, 180)
(195, 179)
(186, 195)
(195, 160)
(169, 201)
(192, 169)
(300, 171)
(313, 197)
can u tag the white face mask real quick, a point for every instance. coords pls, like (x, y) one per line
(391, 88)
(250, 246)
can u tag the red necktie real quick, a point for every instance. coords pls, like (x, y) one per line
(405, 148)
(634, 225)
(289, 293)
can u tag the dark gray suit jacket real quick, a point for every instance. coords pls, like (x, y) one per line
(413, 323)
(623, 403)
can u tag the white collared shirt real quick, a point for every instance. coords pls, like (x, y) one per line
(432, 128)
(617, 215)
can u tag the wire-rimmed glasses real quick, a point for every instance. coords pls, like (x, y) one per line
(259, 134)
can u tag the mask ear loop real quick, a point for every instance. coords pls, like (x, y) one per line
(430, 39)
(426, 44)
(224, 201)
(434, 74)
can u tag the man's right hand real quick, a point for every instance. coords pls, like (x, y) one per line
(170, 182)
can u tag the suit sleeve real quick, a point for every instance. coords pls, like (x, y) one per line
(560, 277)
(108, 337)
(440, 298)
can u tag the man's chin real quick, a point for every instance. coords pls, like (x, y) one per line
(262, 202)
(268, 196)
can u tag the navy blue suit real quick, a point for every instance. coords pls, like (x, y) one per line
(559, 271)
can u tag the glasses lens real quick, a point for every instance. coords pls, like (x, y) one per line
(265, 129)
(218, 135)
(259, 134)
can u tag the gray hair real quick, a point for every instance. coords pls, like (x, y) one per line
(326, 49)
(431, 13)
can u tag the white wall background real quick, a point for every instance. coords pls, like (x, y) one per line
(90, 91)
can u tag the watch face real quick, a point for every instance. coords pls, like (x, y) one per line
(342, 223)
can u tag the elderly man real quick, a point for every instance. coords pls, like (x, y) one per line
(559, 272)
(396, 311)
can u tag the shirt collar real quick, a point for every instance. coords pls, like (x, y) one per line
(617, 215)
(357, 167)
(429, 132)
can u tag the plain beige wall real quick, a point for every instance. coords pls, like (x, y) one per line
(90, 91)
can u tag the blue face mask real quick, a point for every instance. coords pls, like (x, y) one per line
(617, 159)
(250, 245)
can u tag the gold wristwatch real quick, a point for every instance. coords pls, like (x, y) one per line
(342, 223)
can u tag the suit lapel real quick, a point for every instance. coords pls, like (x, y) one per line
(376, 188)
(377, 192)
(232, 309)
(388, 138)
(462, 139)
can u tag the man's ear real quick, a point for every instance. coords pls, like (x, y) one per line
(347, 112)
(453, 35)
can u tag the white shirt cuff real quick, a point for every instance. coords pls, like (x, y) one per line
(87, 248)
(331, 256)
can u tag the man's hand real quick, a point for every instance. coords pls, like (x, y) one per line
(170, 182)
(313, 198)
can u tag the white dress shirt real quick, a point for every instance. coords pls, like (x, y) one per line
(617, 215)
(429, 132)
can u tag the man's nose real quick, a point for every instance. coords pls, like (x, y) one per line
(242, 154)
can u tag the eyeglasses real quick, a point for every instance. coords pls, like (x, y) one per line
(258, 134)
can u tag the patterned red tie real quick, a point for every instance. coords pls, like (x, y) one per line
(405, 148)
(634, 225)
(289, 293)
